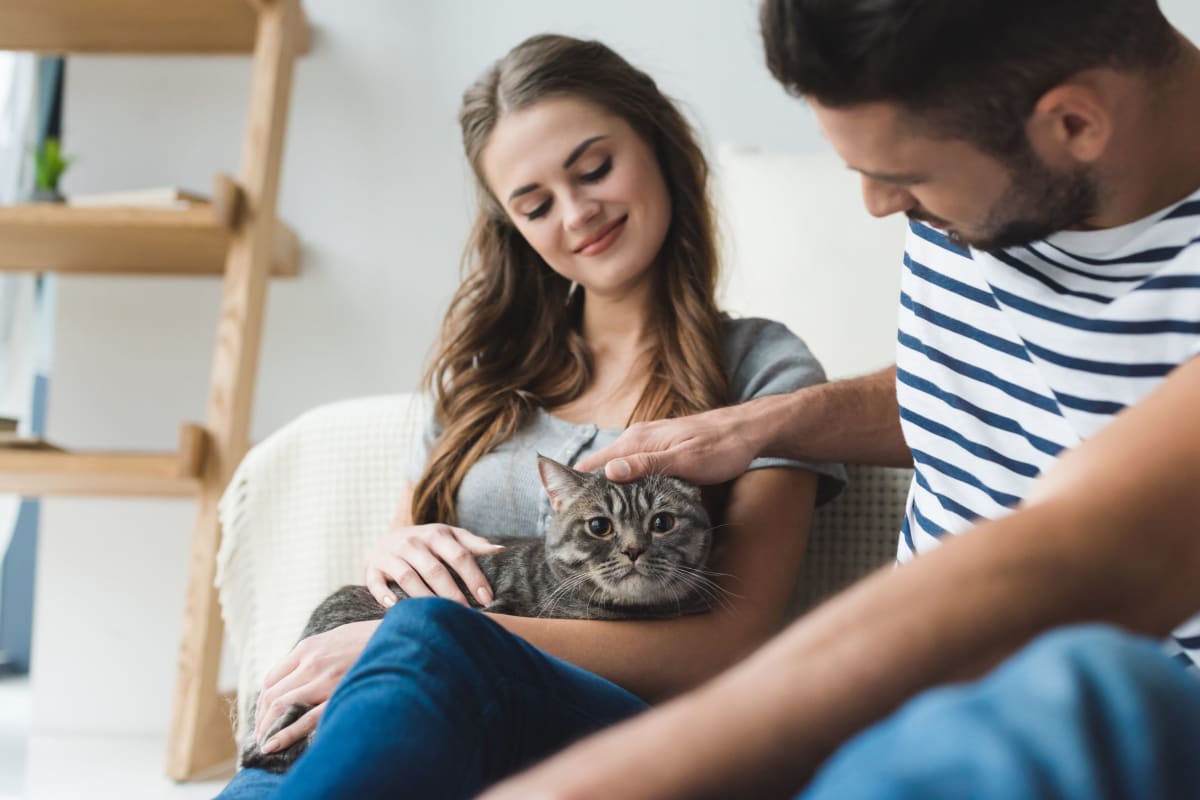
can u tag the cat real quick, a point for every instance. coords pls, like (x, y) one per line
(611, 551)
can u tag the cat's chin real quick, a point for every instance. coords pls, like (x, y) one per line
(636, 585)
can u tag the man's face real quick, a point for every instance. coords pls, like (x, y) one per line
(976, 198)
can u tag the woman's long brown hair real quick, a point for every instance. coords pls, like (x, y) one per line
(510, 343)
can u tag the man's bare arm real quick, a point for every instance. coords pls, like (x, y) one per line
(1112, 538)
(854, 421)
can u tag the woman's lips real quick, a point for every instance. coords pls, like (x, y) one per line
(603, 239)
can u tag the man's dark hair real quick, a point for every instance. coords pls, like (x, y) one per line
(972, 69)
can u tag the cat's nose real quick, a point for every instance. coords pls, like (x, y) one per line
(633, 553)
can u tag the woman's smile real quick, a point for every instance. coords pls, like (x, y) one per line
(604, 238)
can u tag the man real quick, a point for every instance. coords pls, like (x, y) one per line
(1047, 393)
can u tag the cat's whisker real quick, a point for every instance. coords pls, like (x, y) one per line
(569, 584)
(710, 589)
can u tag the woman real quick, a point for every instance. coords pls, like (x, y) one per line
(588, 304)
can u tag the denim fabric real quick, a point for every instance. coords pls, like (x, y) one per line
(442, 703)
(1083, 713)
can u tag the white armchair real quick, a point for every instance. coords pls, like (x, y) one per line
(297, 518)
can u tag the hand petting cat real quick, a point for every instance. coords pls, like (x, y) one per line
(418, 558)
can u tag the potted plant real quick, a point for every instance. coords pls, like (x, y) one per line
(50, 164)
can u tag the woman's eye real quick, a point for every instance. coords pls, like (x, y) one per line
(598, 173)
(661, 523)
(599, 526)
(540, 211)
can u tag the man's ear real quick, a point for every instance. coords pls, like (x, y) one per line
(1073, 122)
(561, 483)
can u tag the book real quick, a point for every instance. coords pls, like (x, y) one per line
(11, 441)
(158, 197)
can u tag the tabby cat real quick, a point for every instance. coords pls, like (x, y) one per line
(612, 551)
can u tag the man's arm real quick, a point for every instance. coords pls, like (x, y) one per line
(853, 421)
(1113, 538)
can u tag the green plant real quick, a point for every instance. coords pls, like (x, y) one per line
(51, 164)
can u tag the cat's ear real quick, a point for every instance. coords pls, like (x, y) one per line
(561, 483)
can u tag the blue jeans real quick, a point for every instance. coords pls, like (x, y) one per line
(442, 703)
(1084, 712)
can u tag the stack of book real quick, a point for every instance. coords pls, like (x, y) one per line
(10, 439)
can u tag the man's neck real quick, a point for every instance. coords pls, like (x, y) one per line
(1160, 160)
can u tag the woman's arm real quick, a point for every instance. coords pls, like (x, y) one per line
(768, 514)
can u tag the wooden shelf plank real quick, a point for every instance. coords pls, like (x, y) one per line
(40, 472)
(133, 26)
(137, 241)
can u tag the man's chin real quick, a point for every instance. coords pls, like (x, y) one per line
(1002, 240)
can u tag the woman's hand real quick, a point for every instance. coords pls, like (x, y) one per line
(307, 676)
(418, 558)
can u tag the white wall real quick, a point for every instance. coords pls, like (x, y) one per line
(374, 184)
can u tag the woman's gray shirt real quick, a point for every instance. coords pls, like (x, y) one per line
(502, 495)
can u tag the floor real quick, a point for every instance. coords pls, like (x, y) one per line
(68, 767)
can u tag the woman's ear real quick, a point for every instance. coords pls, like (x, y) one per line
(1073, 122)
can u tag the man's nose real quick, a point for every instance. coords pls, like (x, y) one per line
(883, 199)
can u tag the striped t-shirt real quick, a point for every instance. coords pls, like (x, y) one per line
(1006, 358)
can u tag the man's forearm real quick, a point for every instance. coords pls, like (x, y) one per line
(854, 421)
(783, 711)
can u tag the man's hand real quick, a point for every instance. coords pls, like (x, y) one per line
(712, 447)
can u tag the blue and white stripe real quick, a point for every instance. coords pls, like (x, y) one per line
(1006, 358)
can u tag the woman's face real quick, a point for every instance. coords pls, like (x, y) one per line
(584, 190)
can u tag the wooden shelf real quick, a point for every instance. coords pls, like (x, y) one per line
(41, 472)
(136, 241)
(134, 26)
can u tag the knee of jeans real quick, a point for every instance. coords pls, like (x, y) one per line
(1083, 644)
(1088, 655)
(438, 623)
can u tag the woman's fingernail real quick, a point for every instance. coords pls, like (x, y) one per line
(619, 469)
(485, 597)
(389, 600)
(269, 747)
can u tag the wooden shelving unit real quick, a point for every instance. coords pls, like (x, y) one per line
(54, 471)
(137, 26)
(236, 236)
(133, 241)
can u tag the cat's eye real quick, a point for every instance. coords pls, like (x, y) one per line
(662, 522)
(599, 526)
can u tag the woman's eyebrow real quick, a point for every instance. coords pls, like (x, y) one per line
(574, 156)
(580, 149)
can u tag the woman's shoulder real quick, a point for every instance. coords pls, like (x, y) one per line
(766, 357)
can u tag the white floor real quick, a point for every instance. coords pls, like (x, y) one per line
(61, 767)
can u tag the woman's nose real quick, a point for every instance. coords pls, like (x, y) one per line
(579, 210)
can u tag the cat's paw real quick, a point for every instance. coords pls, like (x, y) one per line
(280, 760)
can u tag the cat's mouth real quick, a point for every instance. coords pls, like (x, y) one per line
(634, 571)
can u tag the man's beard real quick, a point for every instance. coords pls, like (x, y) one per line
(1039, 202)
